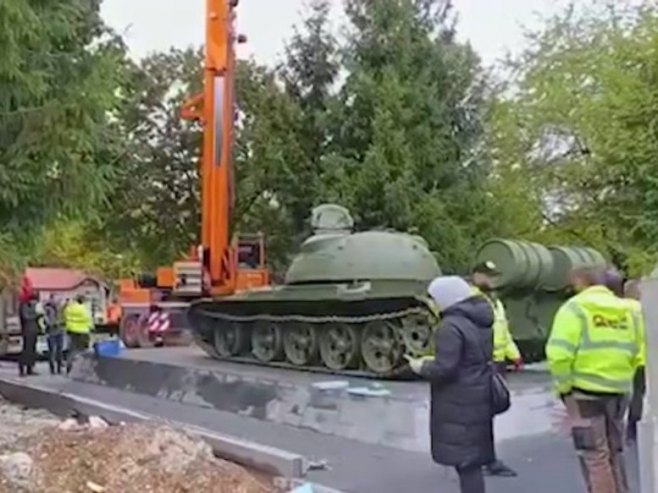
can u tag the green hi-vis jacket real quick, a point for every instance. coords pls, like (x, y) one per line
(504, 347)
(77, 318)
(594, 343)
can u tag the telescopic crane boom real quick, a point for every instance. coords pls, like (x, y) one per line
(221, 264)
(215, 262)
(218, 266)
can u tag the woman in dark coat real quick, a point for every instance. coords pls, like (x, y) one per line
(461, 419)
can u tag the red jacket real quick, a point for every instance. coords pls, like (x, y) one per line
(27, 289)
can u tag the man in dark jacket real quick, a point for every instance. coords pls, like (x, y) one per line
(31, 319)
(461, 415)
(483, 278)
(55, 336)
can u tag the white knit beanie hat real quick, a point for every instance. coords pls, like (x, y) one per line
(448, 291)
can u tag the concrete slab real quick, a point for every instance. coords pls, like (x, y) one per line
(267, 459)
(391, 413)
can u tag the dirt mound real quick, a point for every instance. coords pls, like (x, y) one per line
(135, 458)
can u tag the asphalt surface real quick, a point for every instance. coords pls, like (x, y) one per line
(372, 462)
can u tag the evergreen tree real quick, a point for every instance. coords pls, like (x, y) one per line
(59, 73)
(406, 155)
(310, 73)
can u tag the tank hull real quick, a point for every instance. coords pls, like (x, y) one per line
(360, 328)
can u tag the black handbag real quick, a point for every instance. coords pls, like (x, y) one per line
(500, 397)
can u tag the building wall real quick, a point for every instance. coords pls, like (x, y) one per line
(94, 292)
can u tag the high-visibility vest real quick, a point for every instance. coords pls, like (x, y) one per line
(504, 347)
(636, 308)
(594, 344)
(77, 318)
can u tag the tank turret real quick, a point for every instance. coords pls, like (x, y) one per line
(369, 255)
(335, 254)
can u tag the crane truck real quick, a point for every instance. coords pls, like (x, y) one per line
(222, 263)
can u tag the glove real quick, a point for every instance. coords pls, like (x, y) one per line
(518, 364)
(416, 364)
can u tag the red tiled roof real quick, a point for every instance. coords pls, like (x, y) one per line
(55, 279)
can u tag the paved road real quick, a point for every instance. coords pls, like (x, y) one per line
(543, 458)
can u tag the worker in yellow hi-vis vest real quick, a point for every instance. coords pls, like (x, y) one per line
(483, 278)
(79, 323)
(593, 353)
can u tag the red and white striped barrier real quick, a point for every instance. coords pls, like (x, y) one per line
(158, 322)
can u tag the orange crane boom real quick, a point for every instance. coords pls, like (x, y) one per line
(216, 110)
(221, 264)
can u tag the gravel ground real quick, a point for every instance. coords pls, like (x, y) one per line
(17, 422)
(41, 454)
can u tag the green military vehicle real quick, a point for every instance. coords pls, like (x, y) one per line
(356, 302)
(352, 302)
(533, 284)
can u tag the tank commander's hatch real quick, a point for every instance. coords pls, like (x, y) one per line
(331, 219)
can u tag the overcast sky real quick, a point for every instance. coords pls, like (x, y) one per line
(492, 26)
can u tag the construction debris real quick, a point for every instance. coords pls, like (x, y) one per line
(43, 455)
(17, 422)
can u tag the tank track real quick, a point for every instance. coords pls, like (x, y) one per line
(400, 325)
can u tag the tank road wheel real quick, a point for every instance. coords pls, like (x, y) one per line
(230, 339)
(267, 341)
(203, 335)
(416, 334)
(300, 343)
(339, 346)
(380, 346)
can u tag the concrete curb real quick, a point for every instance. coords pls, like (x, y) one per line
(260, 457)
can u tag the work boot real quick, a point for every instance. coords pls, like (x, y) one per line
(498, 468)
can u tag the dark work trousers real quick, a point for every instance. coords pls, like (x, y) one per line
(28, 356)
(636, 404)
(56, 351)
(599, 443)
(78, 344)
(471, 480)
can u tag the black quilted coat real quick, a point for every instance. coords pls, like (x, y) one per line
(461, 421)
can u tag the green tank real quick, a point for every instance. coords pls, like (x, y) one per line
(351, 301)
(533, 285)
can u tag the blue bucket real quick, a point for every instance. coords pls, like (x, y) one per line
(110, 348)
